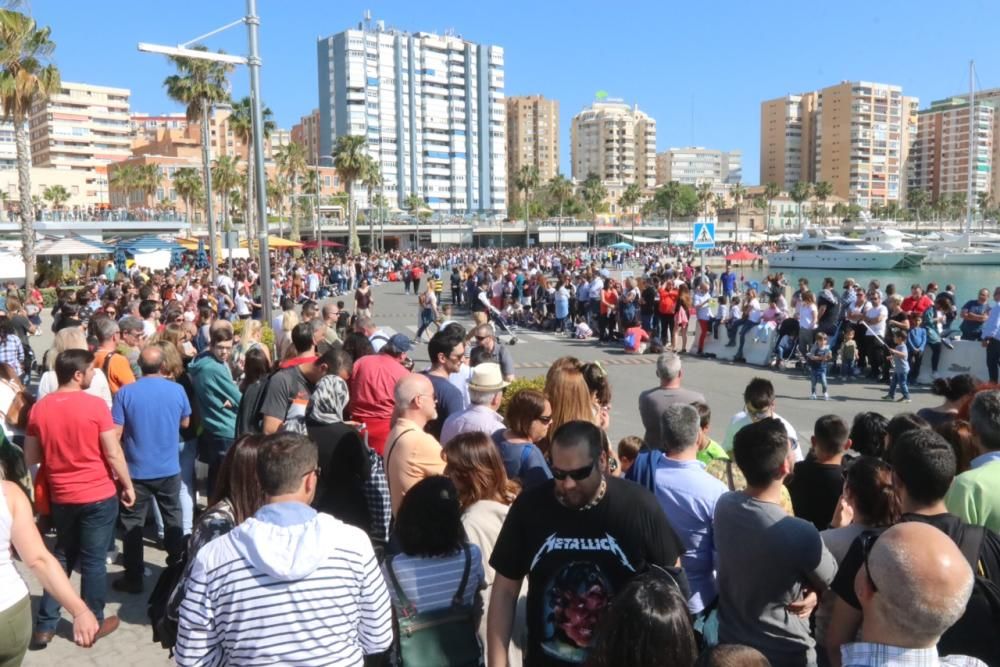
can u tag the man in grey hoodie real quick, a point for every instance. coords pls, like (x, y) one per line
(289, 585)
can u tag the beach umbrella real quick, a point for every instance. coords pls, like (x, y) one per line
(622, 245)
(311, 245)
(743, 255)
(202, 261)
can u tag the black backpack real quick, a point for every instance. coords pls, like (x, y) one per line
(976, 633)
(162, 617)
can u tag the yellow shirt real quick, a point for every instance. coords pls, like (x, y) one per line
(411, 455)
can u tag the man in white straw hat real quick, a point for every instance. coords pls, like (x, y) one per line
(486, 387)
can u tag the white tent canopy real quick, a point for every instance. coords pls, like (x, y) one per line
(635, 238)
(70, 246)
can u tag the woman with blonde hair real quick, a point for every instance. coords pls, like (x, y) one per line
(250, 338)
(288, 321)
(485, 495)
(71, 338)
(567, 391)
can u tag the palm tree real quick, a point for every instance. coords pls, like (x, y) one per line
(771, 191)
(225, 177)
(57, 195)
(822, 191)
(371, 178)
(147, 181)
(738, 193)
(200, 84)
(125, 178)
(241, 122)
(984, 201)
(630, 197)
(187, 184)
(350, 158)
(799, 194)
(718, 203)
(704, 191)
(26, 77)
(916, 201)
(277, 191)
(525, 181)
(593, 193)
(666, 198)
(560, 191)
(417, 206)
(291, 161)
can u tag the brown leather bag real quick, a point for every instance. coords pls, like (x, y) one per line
(16, 415)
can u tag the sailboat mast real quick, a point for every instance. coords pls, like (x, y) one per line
(971, 194)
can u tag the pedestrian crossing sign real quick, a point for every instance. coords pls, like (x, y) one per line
(704, 235)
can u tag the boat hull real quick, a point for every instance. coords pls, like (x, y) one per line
(844, 259)
(960, 258)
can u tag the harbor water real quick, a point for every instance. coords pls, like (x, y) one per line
(968, 280)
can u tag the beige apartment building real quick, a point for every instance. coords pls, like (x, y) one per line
(532, 138)
(694, 165)
(615, 141)
(145, 126)
(82, 128)
(306, 133)
(855, 135)
(939, 158)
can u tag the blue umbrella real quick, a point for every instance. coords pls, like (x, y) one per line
(202, 261)
(121, 262)
(621, 245)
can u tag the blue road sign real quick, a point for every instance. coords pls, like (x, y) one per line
(703, 235)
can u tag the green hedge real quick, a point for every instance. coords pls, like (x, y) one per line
(537, 383)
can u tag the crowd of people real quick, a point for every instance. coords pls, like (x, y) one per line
(354, 509)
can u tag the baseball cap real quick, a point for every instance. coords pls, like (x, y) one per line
(401, 343)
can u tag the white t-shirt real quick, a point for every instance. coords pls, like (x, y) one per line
(703, 303)
(741, 419)
(807, 316)
(242, 304)
(874, 312)
(98, 386)
(755, 312)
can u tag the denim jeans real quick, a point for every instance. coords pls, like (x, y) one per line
(745, 327)
(426, 319)
(165, 492)
(83, 533)
(898, 379)
(211, 450)
(819, 378)
(189, 452)
(993, 359)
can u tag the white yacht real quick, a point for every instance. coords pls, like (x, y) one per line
(818, 249)
(967, 251)
(893, 239)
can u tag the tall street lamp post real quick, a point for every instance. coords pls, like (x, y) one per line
(253, 63)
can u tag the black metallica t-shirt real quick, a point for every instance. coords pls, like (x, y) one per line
(577, 560)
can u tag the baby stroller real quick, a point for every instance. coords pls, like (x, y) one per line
(504, 324)
(787, 346)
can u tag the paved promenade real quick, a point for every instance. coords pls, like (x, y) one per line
(721, 382)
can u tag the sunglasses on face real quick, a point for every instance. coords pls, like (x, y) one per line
(578, 475)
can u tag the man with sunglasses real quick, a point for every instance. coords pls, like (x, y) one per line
(446, 351)
(916, 585)
(923, 465)
(486, 337)
(578, 539)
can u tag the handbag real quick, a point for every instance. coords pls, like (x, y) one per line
(440, 638)
(17, 412)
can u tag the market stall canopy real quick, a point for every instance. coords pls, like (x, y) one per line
(310, 245)
(621, 245)
(147, 243)
(191, 243)
(743, 255)
(71, 245)
(276, 242)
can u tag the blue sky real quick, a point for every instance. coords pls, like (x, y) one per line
(700, 68)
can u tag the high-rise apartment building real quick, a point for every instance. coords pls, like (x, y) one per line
(787, 140)
(532, 137)
(695, 165)
(146, 126)
(855, 135)
(431, 108)
(306, 133)
(82, 127)
(615, 141)
(8, 147)
(939, 158)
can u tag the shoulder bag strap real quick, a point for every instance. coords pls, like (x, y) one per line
(729, 474)
(459, 600)
(392, 447)
(405, 606)
(107, 363)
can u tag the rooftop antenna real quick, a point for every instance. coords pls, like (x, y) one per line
(368, 18)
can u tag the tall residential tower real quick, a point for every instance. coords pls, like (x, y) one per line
(615, 141)
(431, 108)
(855, 135)
(532, 138)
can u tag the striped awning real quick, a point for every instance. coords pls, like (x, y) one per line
(71, 245)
